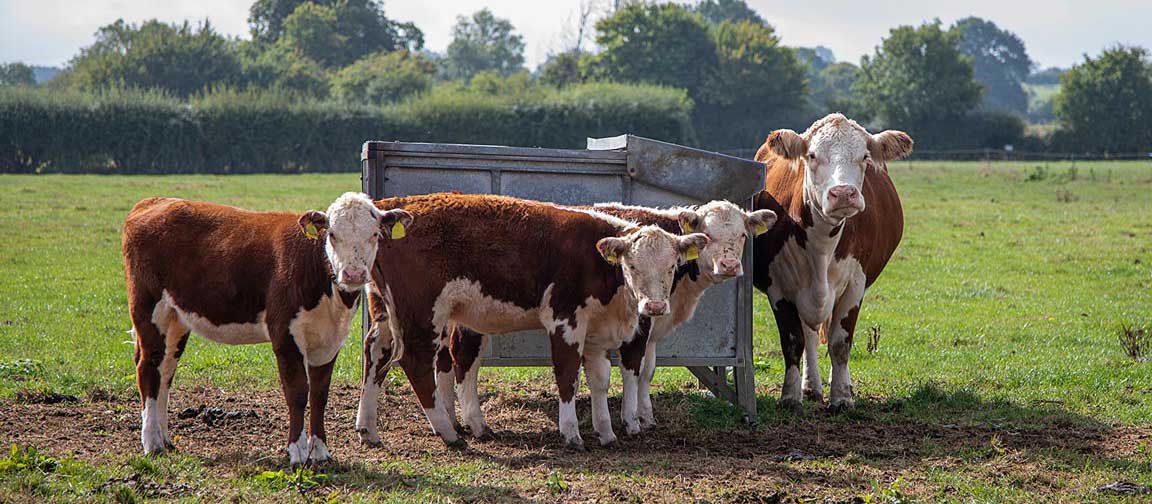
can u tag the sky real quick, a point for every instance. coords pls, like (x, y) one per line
(1056, 33)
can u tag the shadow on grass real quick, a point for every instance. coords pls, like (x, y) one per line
(930, 423)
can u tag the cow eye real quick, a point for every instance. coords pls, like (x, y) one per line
(812, 156)
(332, 237)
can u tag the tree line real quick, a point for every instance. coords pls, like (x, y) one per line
(960, 86)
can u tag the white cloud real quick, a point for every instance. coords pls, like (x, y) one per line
(50, 32)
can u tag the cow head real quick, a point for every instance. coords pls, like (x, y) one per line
(727, 227)
(649, 257)
(353, 227)
(837, 153)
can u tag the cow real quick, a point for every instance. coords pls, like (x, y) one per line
(840, 222)
(240, 277)
(497, 265)
(727, 227)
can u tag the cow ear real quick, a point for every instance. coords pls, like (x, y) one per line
(312, 223)
(787, 144)
(689, 245)
(760, 221)
(612, 249)
(394, 223)
(689, 221)
(890, 145)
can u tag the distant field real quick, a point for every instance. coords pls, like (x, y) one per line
(998, 373)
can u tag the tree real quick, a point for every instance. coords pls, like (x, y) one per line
(563, 69)
(757, 84)
(1105, 104)
(917, 76)
(312, 31)
(718, 11)
(832, 89)
(658, 44)
(362, 24)
(999, 61)
(483, 42)
(278, 67)
(179, 59)
(16, 74)
(384, 78)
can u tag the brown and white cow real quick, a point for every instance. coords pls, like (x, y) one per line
(498, 265)
(239, 277)
(727, 227)
(840, 221)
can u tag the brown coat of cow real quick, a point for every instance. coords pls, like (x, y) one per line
(814, 270)
(496, 265)
(236, 277)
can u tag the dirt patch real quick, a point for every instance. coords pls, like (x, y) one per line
(816, 456)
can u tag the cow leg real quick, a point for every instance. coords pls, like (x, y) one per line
(792, 346)
(175, 340)
(467, 348)
(377, 358)
(840, 333)
(149, 356)
(294, 382)
(813, 386)
(631, 369)
(598, 367)
(566, 368)
(446, 382)
(644, 394)
(376, 361)
(319, 383)
(419, 364)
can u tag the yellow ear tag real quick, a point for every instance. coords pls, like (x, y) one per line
(398, 230)
(611, 259)
(311, 232)
(761, 228)
(692, 253)
(686, 227)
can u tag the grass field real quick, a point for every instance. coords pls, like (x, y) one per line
(998, 375)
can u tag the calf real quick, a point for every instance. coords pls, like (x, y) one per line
(727, 227)
(840, 221)
(239, 277)
(499, 265)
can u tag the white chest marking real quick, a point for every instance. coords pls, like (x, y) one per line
(230, 334)
(609, 326)
(810, 276)
(320, 332)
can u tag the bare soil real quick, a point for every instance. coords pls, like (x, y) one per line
(836, 458)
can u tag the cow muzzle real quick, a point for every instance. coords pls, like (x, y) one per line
(728, 267)
(844, 201)
(353, 278)
(653, 307)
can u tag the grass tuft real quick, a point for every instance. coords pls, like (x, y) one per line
(1136, 341)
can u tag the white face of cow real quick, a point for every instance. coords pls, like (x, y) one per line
(649, 258)
(837, 154)
(728, 228)
(354, 228)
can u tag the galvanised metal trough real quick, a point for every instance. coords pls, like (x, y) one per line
(627, 169)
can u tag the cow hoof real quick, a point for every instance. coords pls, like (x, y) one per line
(485, 434)
(632, 429)
(793, 406)
(814, 396)
(608, 441)
(576, 445)
(841, 406)
(370, 439)
(647, 423)
(458, 445)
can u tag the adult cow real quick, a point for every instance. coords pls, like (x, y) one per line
(727, 227)
(497, 265)
(238, 277)
(840, 221)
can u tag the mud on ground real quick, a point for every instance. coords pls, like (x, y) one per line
(819, 456)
